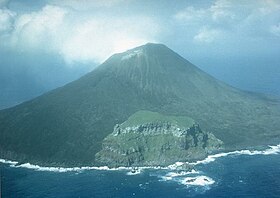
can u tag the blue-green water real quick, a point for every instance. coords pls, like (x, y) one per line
(229, 176)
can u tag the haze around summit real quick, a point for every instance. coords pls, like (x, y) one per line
(45, 44)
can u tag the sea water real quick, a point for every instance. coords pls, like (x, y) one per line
(234, 174)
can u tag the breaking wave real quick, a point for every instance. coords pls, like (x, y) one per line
(3, 161)
(190, 178)
(200, 180)
(136, 171)
(269, 151)
(196, 178)
(272, 150)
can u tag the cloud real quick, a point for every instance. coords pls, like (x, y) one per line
(190, 14)
(86, 4)
(39, 29)
(239, 19)
(221, 11)
(275, 29)
(206, 35)
(96, 39)
(87, 38)
(269, 6)
(90, 31)
(3, 3)
(6, 20)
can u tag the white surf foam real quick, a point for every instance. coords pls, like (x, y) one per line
(15, 164)
(166, 178)
(171, 175)
(197, 181)
(174, 175)
(51, 169)
(176, 165)
(181, 173)
(193, 178)
(134, 171)
(8, 162)
(272, 150)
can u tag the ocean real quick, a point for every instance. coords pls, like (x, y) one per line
(236, 174)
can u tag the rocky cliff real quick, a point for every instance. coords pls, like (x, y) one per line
(158, 143)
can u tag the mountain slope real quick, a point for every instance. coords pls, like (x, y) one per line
(66, 126)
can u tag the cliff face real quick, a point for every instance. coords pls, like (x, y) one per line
(157, 143)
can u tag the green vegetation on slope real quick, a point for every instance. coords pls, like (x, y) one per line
(144, 117)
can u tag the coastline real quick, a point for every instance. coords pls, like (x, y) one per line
(270, 150)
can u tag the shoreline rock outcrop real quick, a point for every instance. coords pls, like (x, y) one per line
(157, 143)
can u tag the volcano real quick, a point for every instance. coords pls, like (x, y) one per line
(67, 126)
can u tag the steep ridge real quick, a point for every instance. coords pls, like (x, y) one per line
(66, 126)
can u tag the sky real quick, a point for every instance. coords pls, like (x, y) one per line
(230, 39)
